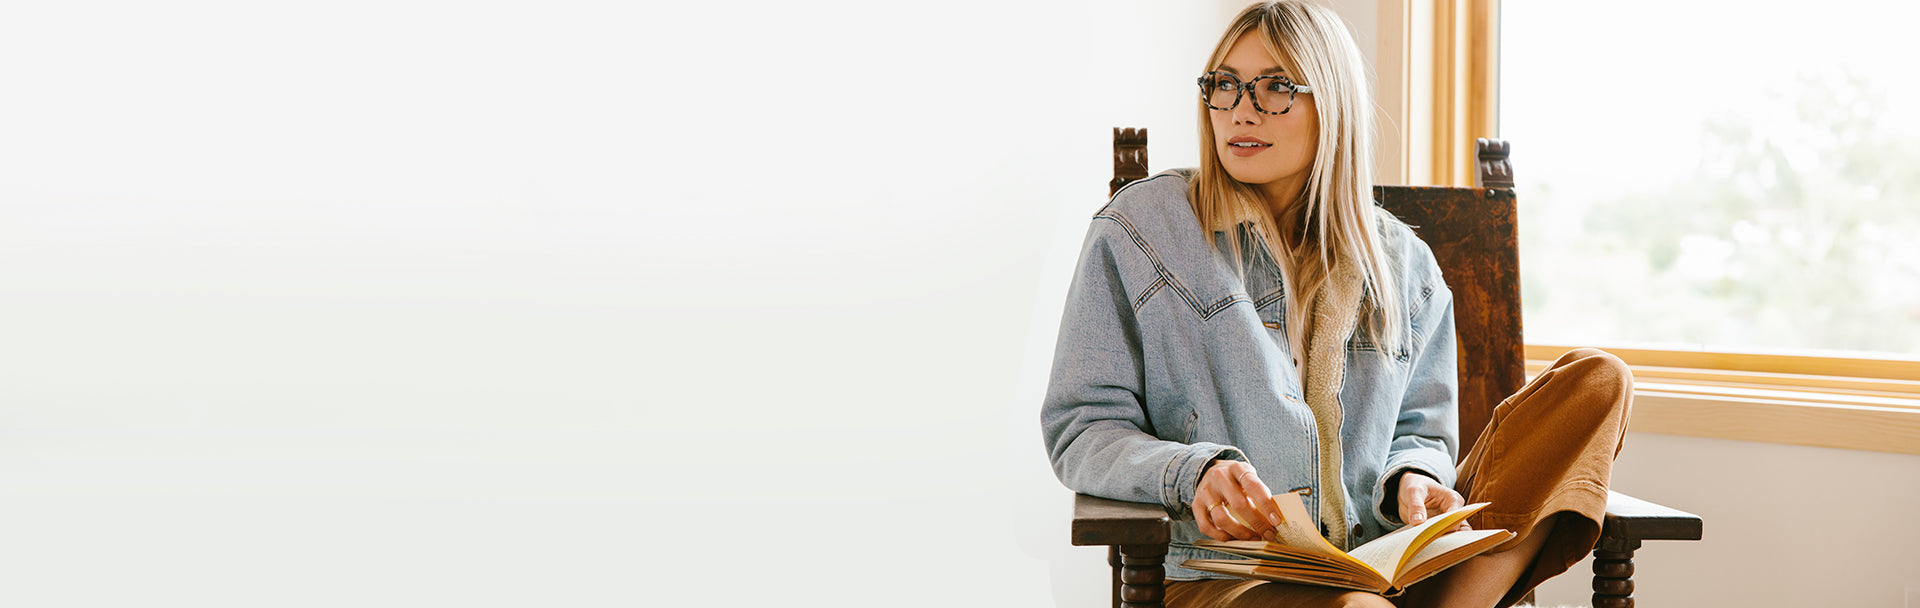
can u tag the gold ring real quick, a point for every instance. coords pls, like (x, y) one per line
(1217, 505)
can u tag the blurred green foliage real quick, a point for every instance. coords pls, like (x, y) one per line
(1798, 228)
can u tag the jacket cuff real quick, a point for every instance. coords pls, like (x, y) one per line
(1182, 476)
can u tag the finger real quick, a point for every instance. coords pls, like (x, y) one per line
(1441, 499)
(1225, 521)
(1214, 532)
(1450, 500)
(1414, 503)
(1260, 497)
(1228, 518)
(1201, 516)
(1206, 507)
(1206, 501)
(1239, 509)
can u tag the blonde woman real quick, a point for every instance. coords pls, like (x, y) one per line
(1259, 325)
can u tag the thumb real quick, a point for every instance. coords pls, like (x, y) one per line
(1416, 504)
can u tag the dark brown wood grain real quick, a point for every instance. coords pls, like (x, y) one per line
(1129, 157)
(1101, 521)
(1629, 517)
(1143, 576)
(1474, 234)
(1613, 575)
(1496, 171)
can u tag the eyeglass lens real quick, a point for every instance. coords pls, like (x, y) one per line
(1271, 92)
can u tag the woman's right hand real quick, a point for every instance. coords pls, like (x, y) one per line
(1231, 503)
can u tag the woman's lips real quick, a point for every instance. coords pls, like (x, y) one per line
(1246, 146)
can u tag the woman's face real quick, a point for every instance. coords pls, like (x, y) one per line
(1272, 152)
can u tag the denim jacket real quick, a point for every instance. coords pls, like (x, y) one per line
(1167, 360)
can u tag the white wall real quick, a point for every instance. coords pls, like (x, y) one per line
(577, 303)
(1784, 525)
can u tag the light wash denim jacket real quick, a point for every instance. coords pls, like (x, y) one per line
(1166, 360)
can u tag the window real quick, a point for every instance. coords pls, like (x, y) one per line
(1728, 197)
(1715, 176)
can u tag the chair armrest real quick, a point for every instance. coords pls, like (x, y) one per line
(1102, 521)
(1632, 519)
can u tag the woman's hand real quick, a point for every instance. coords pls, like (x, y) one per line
(1421, 496)
(1231, 503)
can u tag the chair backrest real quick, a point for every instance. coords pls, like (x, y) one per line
(1474, 235)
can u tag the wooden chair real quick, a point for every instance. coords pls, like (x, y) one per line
(1474, 234)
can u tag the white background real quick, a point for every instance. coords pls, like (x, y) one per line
(410, 303)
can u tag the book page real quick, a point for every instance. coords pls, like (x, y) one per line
(1448, 550)
(1393, 552)
(1297, 530)
(1298, 538)
(1297, 553)
(1286, 573)
(1263, 550)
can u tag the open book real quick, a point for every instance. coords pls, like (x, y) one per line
(1298, 554)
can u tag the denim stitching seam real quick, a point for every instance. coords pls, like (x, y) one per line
(1269, 298)
(1206, 312)
(1141, 301)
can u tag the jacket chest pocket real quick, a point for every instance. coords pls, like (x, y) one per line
(1272, 309)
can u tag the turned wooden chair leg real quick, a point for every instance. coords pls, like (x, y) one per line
(1142, 576)
(1613, 573)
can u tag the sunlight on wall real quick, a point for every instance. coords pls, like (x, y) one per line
(560, 303)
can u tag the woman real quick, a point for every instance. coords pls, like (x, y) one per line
(1258, 325)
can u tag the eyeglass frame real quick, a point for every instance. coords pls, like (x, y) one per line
(1244, 88)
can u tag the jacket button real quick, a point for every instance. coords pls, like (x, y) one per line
(1356, 531)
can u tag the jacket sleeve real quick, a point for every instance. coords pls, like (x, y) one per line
(1426, 433)
(1094, 420)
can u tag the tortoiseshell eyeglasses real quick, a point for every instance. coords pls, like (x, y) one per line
(1222, 91)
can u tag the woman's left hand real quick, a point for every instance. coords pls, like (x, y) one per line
(1421, 496)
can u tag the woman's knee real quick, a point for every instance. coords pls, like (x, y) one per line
(1361, 599)
(1277, 595)
(1597, 369)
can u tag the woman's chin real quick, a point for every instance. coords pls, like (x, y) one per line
(1248, 176)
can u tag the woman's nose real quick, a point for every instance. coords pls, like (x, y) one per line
(1244, 114)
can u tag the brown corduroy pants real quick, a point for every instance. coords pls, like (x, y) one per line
(1544, 462)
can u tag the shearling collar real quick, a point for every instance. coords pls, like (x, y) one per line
(1336, 311)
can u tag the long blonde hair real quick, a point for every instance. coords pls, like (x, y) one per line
(1336, 219)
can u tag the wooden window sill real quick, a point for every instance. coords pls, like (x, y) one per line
(1860, 404)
